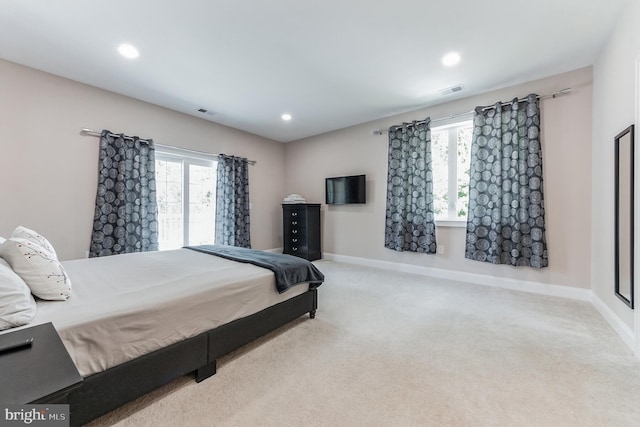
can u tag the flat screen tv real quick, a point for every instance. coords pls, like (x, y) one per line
(344, 190)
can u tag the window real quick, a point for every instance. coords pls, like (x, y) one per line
(186, 194)
(450, 149)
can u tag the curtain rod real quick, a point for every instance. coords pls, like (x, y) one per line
(91, 132)
(566, 91)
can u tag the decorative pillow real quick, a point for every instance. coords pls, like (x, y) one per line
(17, 306)
(24, 233)
(38, 267)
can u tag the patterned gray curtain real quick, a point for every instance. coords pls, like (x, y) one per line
(232, 202)
(410, 224)
(505, 224)
(126, 213)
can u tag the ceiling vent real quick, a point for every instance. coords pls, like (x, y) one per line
(450, 90)
(205, 111)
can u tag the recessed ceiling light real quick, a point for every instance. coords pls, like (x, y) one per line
(128, 51)
(286, 117)
(451, 59)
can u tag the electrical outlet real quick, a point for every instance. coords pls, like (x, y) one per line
(440, 249)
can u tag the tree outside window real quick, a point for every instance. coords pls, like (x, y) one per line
(186, 195)
(450, 152)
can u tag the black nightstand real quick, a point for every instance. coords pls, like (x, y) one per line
(42, 373)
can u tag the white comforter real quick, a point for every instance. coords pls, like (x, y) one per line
(125, 306)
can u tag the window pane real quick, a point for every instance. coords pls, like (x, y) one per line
(439, 156)
(464, 155)
(169, 195)
(202, 204)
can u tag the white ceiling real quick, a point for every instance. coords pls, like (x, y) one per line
(330, 63)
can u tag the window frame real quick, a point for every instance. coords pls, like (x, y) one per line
(187, 158)
(451, 125)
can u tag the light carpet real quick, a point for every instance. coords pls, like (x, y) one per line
(394, 349)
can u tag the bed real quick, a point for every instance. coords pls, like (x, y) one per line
(137, 321)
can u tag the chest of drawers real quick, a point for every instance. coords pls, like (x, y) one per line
(301, 226)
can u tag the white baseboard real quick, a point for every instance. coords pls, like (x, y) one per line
(479, 279)
(621, 328)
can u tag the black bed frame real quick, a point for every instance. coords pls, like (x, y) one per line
(107, 390)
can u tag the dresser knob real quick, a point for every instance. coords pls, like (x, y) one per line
(294, 222)
(294, 213)
(294, 240)
(295, 231)
(294, 248)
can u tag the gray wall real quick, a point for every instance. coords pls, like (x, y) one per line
(615, 95)
(48, 170)
(358, 230)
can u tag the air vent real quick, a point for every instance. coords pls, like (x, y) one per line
(205, 111)
(450, 90)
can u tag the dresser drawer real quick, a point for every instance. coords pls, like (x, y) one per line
(297, 221)
(295, 232)
(297, 248)
(296, 239)
(296, 215)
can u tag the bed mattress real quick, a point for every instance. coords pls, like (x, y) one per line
(125, 306)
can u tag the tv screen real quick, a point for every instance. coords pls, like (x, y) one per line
(344, 190)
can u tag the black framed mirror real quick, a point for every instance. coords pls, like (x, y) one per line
(624, 175)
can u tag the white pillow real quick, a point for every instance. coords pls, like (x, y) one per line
(24, 233)
(17, 306)
(38, 267)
